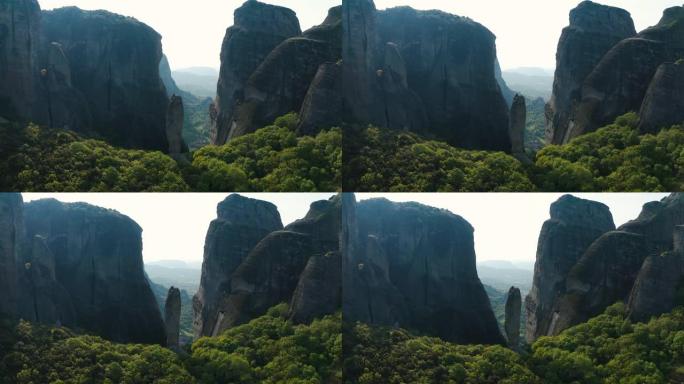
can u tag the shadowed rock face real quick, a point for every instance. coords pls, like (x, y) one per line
(594, 29)
(323, 105)
(512, 322)
(97, 257)
(664, 101)
(241, 224)
(258, 29)
(437, 77)
(518, 123)
(174, 124)
(574, 225)
(19, 44)
(172, 312)
(298, 265)
(413, 266)
(11, 234)
(640, 263)
(114, 62)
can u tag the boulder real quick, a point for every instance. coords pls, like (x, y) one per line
(413, 266)
(241, 224)
(19, 47)
(574, 225)
(114, 62)
(663, 104)
(11, 237)
(258, 28)
(594, 29)
(98, 260)
(512, 320)
(172, 313)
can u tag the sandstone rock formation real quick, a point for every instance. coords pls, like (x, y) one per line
(97, 255)
(512, 322)
(413, 266)
(174, 125)
(258, 29)
(323, 104)
(241, 224)
(591, 93)
(664, 101)
(19, 45)
(11, 235)
(518, 122)
(172, 312)
(640, 263)
(574, 225)
(424, 71)
(594, 29)
(114, 62)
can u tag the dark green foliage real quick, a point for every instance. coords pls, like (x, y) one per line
(377, 355)
(615, 158)
(273, 159)
(535, 129)
(383, 160)
(271, 350)
(196, 123)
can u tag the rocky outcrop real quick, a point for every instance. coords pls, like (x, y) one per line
(289, 266)
(97, 256)
(241, 224)
(574, 225)
(412, 266)
(172, 313)
(258, 29)
(512, 321)
(167, 78)
(174, 125)
(11, 235)
(19, 45)
(114, 62)
(426, 71)
(323, 105)
(594, 29)
(640, 264)
(619, 81)
(663, 104)
(518, 122)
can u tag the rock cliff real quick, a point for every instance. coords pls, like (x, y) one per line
(172, 313)
(640, 263)
(11, 235)
(573, 226)
(413, 266)
(512, 321)
(425, 71)
(600, 77)
(664, 101)
(241, 224)
(86, 264)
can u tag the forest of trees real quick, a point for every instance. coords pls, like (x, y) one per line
(272, 159)
(614, 158)
(608, 349)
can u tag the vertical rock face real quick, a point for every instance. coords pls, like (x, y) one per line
(11, 234)
(114, 63)
(172, 312)
(518, 121)
(174, 125)
(19, 44)
(594, 29)
(512, 322)
(258, 29)
(241, 224)
(664, 101)
(323, 104)
(414, 266)
(573, 226)
(98, 261)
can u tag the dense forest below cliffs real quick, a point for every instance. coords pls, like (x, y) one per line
(271, 159)
(615, 158)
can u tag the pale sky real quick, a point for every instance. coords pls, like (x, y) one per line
(175, 224)
(527, 30)
(507, 225)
